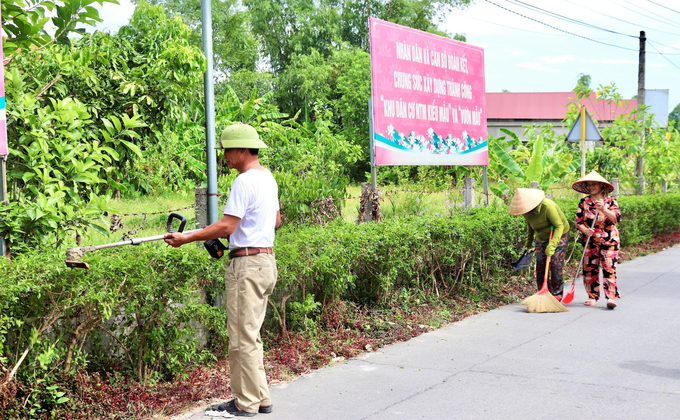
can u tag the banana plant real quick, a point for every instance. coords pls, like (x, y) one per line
(254, 111)
(546, 165)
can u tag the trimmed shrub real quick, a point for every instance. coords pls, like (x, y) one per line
(140, 299)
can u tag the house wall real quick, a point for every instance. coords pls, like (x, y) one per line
(518, 126)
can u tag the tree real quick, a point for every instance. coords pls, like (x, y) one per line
(424, 15)
(24, 21)
(583, 80)
(674, 117)
(235, 47)
(97, 115)
(289, 27)
(294, 27)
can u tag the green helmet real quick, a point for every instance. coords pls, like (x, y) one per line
(239, 136)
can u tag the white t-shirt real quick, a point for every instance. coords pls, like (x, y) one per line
(254, 198)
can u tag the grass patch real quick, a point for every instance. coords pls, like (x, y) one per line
(401, 202)
(145, 216)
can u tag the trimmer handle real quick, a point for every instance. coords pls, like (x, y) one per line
(182, 219)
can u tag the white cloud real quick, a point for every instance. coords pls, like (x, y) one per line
(560, 59)
(538, 67)
(616, 61)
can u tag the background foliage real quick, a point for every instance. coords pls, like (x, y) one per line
(94, 117)
(131, 312)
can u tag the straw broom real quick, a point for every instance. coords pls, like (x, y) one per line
(544, 301)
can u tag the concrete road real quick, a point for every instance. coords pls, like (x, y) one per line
(588, 363)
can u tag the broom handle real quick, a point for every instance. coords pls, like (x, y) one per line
(547, 264)
(585, 247)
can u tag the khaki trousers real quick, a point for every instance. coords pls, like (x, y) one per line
(249, 282)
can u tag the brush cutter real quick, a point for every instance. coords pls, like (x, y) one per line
(570, 295)
(73, 255)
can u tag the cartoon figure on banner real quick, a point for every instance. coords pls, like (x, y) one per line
(435, 144)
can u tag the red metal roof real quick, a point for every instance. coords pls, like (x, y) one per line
(548, 106)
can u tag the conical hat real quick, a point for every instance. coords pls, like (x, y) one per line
(525, 200)
(580, 185)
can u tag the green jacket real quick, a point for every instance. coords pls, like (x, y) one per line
(539, 221)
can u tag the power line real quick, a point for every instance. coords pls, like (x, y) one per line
(566, 18)
(661, 5)
(561, 30)
(662, 55)
(615, 18)
(574, 34)
(668, 46)
(664, 21)
(499, 24)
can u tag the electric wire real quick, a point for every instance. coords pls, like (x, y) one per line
(672, 22)
(566, 18)
(561, 30)
(615, 18)
(648, 16)
(668, 46)
(577, 35)
(501, 25)
(663, 55)
(665, 7)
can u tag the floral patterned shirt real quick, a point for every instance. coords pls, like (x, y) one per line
(606, 232)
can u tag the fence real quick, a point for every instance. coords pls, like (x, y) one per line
(370, 205)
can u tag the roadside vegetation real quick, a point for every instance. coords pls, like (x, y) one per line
(106, 136)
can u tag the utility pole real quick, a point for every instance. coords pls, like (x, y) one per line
(640, 160)
(209, 92)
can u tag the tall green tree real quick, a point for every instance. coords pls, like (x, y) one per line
(289, 27)
(584, 80)
(235, 47)
(294, 27)
(87, 118)
(674, 116)
(24, 22)
(424, 15)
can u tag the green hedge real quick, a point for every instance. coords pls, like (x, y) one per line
(469, 250)
(141, 300)
(368, 263)
(145, 296)
(645, 216)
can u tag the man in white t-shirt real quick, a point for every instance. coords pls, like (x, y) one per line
(250, 217)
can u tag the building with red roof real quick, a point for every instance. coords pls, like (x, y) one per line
(514, 110)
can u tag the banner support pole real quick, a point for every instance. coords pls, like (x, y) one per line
(371, 144)
(3, 197)
(485, 183)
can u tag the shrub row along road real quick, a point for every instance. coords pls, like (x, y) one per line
(588, 363)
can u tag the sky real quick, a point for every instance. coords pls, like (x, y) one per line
(522, 54)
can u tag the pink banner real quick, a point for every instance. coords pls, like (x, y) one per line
(3, 113)
(429, 103)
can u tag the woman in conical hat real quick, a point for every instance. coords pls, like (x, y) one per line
(603, 247)
(541, 214)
